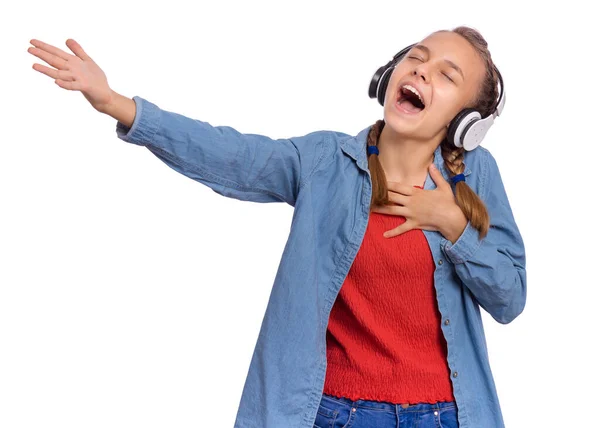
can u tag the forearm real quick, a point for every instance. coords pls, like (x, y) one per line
(244, 166)
(120, 108)
(492, 268)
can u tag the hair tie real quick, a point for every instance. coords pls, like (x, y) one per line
(457, 178)
(372, 149)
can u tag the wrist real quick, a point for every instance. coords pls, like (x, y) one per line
(454, 224)
(121, 108)
(109, 105)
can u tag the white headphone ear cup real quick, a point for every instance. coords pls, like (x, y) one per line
(460, 123)
(475, 131)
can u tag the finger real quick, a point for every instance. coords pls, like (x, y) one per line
(55, 74)
(51, 49)
(398, 198)
(77, 49)
(404, 227)
(72, 85)
(51, 59)
(403, 189)
(391, 210)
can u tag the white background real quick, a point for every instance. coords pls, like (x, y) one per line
(132, 296)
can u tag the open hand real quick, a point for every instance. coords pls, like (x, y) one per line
(76, 72)
(424, 209)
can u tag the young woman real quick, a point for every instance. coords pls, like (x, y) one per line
(399, 235)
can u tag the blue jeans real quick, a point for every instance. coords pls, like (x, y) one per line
(342, 412)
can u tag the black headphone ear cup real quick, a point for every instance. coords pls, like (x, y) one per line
(375, 81)
(456, 122)
(383, 85)
(381, 77)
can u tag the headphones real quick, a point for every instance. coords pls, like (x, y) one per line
(467, 129)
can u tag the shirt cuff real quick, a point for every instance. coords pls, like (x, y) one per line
(144, 126)
(464, 247)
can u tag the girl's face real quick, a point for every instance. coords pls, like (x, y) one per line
(447, 71)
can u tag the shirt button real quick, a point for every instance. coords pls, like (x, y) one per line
(354, 409)
(435, 413)
(455, 374)
(440, 261)
(447, 322)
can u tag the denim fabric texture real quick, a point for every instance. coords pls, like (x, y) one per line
(341, 412)
(324, 176)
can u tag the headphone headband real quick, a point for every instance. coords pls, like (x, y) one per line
(467, 129)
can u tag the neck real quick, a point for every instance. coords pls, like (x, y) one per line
(404, 159)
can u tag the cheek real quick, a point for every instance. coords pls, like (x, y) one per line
(445, 105)
(391, 93)
(394, 78)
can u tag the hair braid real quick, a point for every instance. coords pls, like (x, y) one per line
(379, 196)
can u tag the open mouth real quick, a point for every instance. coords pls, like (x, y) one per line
(409, 102)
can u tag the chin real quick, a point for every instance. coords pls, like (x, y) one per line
(401, 124)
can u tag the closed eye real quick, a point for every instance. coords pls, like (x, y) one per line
(416, 58)
(448, 77)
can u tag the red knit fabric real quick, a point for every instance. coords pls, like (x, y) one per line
(384, 338)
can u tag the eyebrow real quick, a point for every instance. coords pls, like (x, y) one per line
(450, 63)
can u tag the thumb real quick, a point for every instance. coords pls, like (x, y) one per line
(77, 49)
(437, 176)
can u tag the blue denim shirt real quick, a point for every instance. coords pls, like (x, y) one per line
(324, 176)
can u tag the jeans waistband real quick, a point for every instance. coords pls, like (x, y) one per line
(384, 405)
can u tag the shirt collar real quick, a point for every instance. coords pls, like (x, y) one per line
(356, 148)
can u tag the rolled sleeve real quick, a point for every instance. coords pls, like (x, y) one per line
(145, 124)
(465, 246)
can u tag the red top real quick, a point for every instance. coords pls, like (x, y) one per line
(384, 337)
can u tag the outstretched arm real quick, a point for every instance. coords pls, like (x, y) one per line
(247, 167)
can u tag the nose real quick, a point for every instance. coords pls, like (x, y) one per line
(419, 73)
